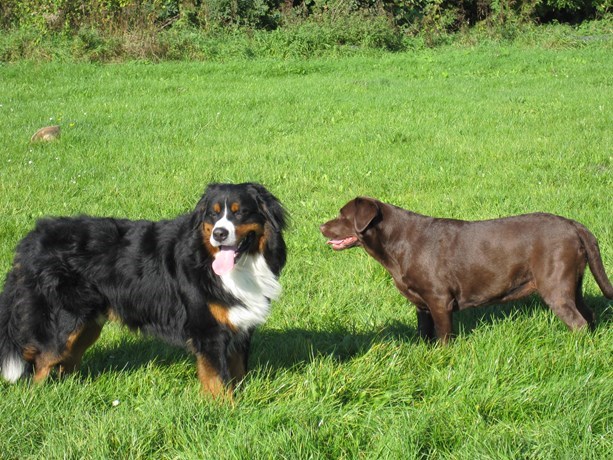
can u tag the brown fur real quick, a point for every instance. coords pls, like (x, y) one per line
(444, 265)
(70, 358)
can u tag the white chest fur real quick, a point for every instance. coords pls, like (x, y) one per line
(252, 282)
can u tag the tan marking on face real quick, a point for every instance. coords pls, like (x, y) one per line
(264, 239)
(207, 230)
(243, 230)
(222, 315)
(217, 207)
(234, 207)
(259, 230)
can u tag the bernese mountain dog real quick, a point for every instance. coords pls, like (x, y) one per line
(203, 281)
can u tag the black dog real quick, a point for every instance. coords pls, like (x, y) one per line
(203, 280)
(444, 265)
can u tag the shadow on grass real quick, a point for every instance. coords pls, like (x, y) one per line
(464, 322)
(283, 349)
(130, 354)
(270, 348)
(294, 347)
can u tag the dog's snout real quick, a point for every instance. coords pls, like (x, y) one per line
(220, 234)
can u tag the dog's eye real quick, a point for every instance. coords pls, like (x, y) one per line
(243, 213)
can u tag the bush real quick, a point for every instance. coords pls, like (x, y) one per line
(207, 29)
(115, 15)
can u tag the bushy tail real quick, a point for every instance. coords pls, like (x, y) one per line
(12, 365)
(594, 259)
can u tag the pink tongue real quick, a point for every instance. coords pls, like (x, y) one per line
(224, 261)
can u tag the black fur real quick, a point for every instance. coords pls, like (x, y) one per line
(155, 277)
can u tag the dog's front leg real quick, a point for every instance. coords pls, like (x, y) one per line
(238, 358)
(213, 368)
(425, 324)
(442, 319)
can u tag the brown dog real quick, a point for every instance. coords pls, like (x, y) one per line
(444, 265)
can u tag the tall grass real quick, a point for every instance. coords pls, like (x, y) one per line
(337, 372)
(351, 35)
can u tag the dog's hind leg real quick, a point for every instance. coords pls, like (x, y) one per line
(560, 287)
(567, 311)
(43, 364)
(65, 351)
(585, 311)
(79, 341)
(563, 305)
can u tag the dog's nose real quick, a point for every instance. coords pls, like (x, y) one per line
(220, 234)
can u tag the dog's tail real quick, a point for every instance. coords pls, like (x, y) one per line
(12, 365)
(594, 259)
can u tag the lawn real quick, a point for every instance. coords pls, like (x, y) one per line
(337, 371)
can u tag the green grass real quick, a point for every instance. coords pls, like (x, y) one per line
(337, 372)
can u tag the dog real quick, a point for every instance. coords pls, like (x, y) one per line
(445, 265)
(204, 281)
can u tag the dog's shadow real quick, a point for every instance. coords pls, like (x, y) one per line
(288, 348)
(466, 321)
(281, 349)
(129, 354)
(273, 349)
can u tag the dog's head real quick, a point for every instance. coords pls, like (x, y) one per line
(238, 219)
(355, 218)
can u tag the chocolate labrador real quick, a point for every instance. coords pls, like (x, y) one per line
(445, 265)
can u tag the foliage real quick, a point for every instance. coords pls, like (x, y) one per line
(114, 15)
(110, 30)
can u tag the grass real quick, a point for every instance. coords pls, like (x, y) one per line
(337, 372)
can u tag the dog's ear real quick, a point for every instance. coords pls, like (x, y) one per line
(269, 205)
(366, 210)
